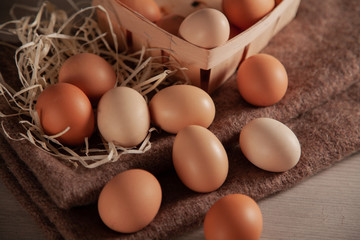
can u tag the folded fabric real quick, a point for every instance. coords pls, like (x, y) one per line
(320, 50)
(327, 134)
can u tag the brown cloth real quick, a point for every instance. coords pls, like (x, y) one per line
(320, 49)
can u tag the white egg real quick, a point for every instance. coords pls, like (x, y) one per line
(270, 145)
(123, 117)
(207, 28)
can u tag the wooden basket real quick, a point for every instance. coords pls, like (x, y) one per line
(207, 68)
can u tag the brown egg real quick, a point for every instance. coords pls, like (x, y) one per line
(234, 31)
(90, 72)
(64, 105)
(233, 217)
(170, 23)
(178, 106)
(262, 80)
(245, 13)
(200, 159)
(147, 8)
(130, 201)
(123, 117)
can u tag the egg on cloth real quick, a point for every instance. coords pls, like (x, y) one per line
(199, 159)
(64, 105)
(178, 106)
(123, 117)
(233, 217)
(262, 80)
(206, 28)
(130, 201)
(89, 72)
(270, 145)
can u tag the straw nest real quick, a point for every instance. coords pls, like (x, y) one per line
(47, 39)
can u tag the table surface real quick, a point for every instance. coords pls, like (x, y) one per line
(324, 206)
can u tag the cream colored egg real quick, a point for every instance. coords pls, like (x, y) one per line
(207, 28)
(270, 145)
(123, 117)
(200, 159)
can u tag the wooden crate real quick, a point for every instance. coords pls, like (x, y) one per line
(207, 68)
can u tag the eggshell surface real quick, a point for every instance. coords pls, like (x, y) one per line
(245, 13)
(130, 201)
(262, 80)
(233, 217)
(200, 159)
(178, 106)
(207, 28)
(148, 8)
(89, 72)
(64, 105)
(170, 23)
(123, 117)
(270, 145)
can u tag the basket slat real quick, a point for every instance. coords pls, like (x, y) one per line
(207, 68)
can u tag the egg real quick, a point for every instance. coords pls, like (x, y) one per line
(245, 13)
(90, 72)
(262, 80)
(64, 105)
(178, 106)
(170, 23)
(123, 117)
(130, 201)
(233, 217)
(270, 145)
(148, 8)
(206, 28)
(234, 31)
(199, 159)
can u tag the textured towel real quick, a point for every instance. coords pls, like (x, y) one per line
(320, 50)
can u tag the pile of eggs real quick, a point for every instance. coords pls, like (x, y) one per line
(209, 28)
(206, 27)
(87, 81)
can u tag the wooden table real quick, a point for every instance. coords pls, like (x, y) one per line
(325, 206)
